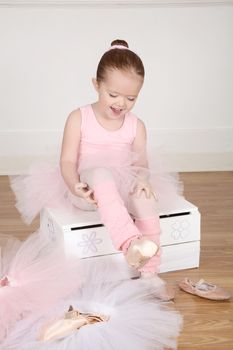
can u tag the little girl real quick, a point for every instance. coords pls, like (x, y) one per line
(104, 161)
(104, 167)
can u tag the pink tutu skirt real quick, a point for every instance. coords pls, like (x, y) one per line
(134, 317)
(44, 185)
(34, 275)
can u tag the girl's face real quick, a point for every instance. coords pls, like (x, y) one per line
(118, 92)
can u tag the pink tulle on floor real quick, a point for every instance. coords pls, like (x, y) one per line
(34, 275)
(136, 318)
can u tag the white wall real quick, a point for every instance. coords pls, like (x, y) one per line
(48, 55)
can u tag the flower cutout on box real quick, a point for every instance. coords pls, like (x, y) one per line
(180, 230)
(89, 242)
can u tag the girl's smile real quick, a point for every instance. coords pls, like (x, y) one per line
(116, 111)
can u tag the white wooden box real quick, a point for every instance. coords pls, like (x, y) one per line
(84, 236)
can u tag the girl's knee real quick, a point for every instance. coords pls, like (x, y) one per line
(143, 200)
(80, 203)
(96, 176)
(101, 175)
(143, 207)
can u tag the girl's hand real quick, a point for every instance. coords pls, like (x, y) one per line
(82, 190)
(146, 187)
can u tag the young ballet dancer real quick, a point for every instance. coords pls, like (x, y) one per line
(104, 162)
(103, 167)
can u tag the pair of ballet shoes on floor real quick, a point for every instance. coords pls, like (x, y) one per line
(204, 289)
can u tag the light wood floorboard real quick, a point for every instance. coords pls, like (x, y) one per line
(208, 325)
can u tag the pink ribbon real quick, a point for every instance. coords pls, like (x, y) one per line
(121, 47)
(4, 281)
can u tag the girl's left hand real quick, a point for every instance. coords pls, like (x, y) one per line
(146, 187)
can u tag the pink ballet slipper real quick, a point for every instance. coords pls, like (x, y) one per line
(204, 289)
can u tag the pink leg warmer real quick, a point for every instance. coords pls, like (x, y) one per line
(114, 215)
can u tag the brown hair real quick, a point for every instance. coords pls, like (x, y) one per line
(123, 59)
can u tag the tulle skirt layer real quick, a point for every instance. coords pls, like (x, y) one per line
(30, 278)
(44, 185)
(136, 319)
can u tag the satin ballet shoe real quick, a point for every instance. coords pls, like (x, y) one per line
(91, 318)
(61, 329)
(72, 321)
(140, 251)
(204, 289)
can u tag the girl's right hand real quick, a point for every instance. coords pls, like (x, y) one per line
(82, 190)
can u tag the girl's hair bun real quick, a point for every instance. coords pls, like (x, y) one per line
(119, 56)
(119, 42)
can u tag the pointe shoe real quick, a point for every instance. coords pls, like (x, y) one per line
(72, 321)
(204, 289)
(140, 251)
(60, 329)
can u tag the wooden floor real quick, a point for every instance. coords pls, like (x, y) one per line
(208, 325)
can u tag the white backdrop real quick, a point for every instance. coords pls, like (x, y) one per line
(48, 55)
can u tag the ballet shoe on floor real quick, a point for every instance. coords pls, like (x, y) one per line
(204, 289)
(72, 321)
(61, 329)
(140, 251)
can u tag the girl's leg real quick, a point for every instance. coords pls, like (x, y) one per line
(145, 211)
(116, 218)
(112, 210)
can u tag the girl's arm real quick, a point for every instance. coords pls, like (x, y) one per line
(70, 148)
(69, 157)
(139, 145)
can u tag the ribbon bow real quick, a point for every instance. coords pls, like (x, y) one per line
(4, 281)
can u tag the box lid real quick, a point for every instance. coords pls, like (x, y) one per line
(76, 217)
(180, 205)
